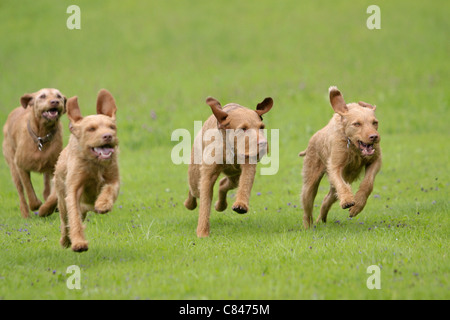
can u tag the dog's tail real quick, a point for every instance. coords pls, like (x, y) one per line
(49, 206)
(302, 154)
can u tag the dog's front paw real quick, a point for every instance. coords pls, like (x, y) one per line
(65, 241)
(35, 205)
(240, 207)
(360, 203)
(202, 233)
(103, 206)
(347, 205)
(220, 206)
(353, 212)
(24, 210)
(80, 246)
(347, 202)
(47, 209)
(190, 203)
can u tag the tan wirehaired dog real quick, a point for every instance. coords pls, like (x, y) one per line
(87, 172)
(229, 126)
(342, 149)
(33, 141)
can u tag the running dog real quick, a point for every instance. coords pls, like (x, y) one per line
(342, 149)
(236, 160)
(33, 141)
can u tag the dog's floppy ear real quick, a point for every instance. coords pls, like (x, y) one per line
(216, 108)
(26, 100)
(73, 113)
(337, 101)
(106, 104)
(367, 105)
(264, 106)
(65, 104)
(73, 110)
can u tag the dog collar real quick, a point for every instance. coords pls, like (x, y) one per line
(40, 141)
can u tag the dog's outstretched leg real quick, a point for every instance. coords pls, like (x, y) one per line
(207, 181)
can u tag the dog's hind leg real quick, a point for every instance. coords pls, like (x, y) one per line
(225, 185)
(313, 172)
(191, 202)
(49, 206)
(48, 176)
(24, 209)
(33, 201)
(208, 178)
(65, 239)
(328, 201)
(194, 179)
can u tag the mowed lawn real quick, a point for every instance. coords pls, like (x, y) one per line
(160, 60)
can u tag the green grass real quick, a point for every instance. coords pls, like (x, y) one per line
(160, 60)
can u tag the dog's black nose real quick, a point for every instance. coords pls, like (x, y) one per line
(107, 137)
(373, 137)
(54, 103)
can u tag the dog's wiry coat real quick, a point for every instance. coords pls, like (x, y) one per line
(87, 172)
(342, 149)
(33, 141)
(202, 177)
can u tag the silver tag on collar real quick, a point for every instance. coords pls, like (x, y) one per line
(40, 145)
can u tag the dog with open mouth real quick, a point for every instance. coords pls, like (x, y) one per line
(342, 149)
(33, 141)
(239, 143)
(87, 172)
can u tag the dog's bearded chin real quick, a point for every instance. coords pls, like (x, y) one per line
(366, 149)
(103, 152)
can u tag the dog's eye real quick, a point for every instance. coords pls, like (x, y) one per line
(91, 129)
(42, 96)
(356, 124)
(58, 96)
(112, 127)
(375, 123)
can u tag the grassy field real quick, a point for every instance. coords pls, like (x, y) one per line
(160, 59)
